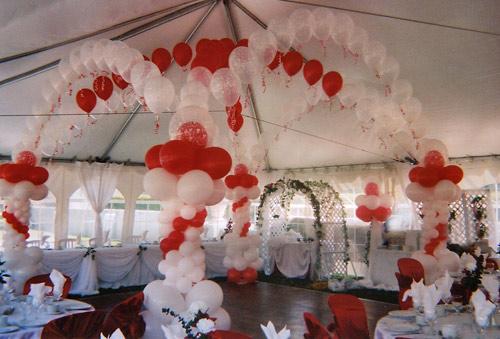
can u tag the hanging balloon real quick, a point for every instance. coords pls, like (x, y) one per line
(159, 93)
(201, 75)
(264, 45)
(332, 83)
(161, 58)
(26, 158)
(193, 132)
(225, 86)
(282, 30)
(215, 161)
(235, 121)
(86, 99)
(203, 47)
(178, 156)
(182, 54)
(152, 158)
(301, 21)
(235, 109)
(313, 71)
(276, 61)
(119, 81)
(103, 87)
(292, 62)
(244, 63)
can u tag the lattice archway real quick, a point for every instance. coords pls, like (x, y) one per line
(329, 222)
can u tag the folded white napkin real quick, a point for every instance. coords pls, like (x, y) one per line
(443, 285)
(58, 281)
(173, 331)
(482, 308)
(270, 332)
(38, 291)
(416, 293)
(117, 334)
(431, 297)
(491, 284)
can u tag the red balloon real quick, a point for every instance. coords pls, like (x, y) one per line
(203, 47)
(38, 175)
(332, 83)
(231, 181)
(86, 99)
(180, 224)
(182, 54)
(414, 173)
(235, 122)
(240, 169)
(215, 161)
(233, 275)
(428, 177)
(235, 109)
(364, 213)
(119, 81)
(434, 159)
(453, 173)
(161, 58)
(292, 62)
(197, 62)
(228, 45)
(276, 61)
(178, 156)
(152, 158)
(381, 213)
(242, 43)
(26, 157)
(103, 87)
(313, 71)
(176, 236)
(2, 168)
(193, 132)
(371, 188)
(249, 275)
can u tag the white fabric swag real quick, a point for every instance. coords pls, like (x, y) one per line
(98, 181)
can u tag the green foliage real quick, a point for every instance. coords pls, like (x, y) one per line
(3, 274)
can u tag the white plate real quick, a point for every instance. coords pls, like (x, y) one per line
(55, 313)
(8, 329)
(404, 328)
(77, 307)
(404, 314)
(33, 323)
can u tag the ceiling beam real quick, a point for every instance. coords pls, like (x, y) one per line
(253, 107)
(132, 115)
(127, 35)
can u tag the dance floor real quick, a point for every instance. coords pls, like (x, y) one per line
(251, 305)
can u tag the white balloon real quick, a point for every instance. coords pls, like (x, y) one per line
(196, 274)
(264, 45)
(447, 191)
(23, 190)
(158, 296)
(111, 51)
(244, 62)
(322, 27)
(195, 187)
(283, 32)
(187, 248)
(6, 188)
(183, 285)
(172, 258)
(225, 86)
(374, 53)
(159, 93)
(342, 28)
(186, 265)
(301, 21)
(87, 55)
(188, 212)
(411, 109)
(126, 60)
(192, 234)
(357, 40)
(160, 184)
(401, 90)
(415, 192)
(98, 53)
(140, 72)
(222, 319)
(194, 92)
(40, 192)
(208, 292)
(218, 193)
(201, 75)
(388, 70)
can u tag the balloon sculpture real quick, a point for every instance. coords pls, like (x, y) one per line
(21, 181)
(242, 249)
(434, 184)
(374, 207)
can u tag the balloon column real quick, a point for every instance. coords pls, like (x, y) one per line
(434, 184)
(242, 249)
(374, 207)
(21, 181)
(185, 175)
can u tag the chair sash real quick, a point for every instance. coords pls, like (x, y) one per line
(350, 316)
(411, 268)
(45, 278)
(75, 326)
(126, 317)
(315, 329)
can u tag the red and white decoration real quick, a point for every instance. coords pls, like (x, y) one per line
(242, 249)
(21, 181)
(435, 185)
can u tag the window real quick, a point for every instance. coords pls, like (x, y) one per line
(43, 215)
(82, 217)
(146, 215)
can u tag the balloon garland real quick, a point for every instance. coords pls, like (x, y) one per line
(242, 249)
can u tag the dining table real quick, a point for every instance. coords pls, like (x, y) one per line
(27, 321)
(403, 324)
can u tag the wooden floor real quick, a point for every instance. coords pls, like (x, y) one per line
(251, 305)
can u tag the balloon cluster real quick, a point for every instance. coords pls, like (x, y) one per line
(19, 182)
(373, 206)
(242, 249)
(434, 184)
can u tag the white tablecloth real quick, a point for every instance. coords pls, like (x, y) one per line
(383, 265)
(292, 259)
(464, 321)
(42, 317)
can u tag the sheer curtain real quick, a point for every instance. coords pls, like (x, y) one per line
(98, 181)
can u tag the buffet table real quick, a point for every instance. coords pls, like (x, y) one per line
(292, 259)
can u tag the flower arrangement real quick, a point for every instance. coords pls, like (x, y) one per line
(479, 215)
(3, 274)
(195, 322)
(90, 252)
(473, 267)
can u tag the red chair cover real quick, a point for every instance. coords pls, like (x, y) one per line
(45, 278)
(220, 334)
(314, 328)
(411, 268)
(76, 326)
(349, 315)
(404, 283)
(126, 317)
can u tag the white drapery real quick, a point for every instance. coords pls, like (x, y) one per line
(98, 181)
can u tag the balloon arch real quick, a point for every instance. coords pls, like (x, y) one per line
(110, 76)
(331, 244)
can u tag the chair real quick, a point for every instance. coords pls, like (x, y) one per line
(221, 334)
(34, 243)
(404, 283)
(77, 326)
(349, 315)
(126, 317)
(144, 235)
(66, 243)
(45, 278)
(134, 239)
(44, 243)
(411, 268)
(315, 330)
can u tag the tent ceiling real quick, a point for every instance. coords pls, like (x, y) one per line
(448, 50)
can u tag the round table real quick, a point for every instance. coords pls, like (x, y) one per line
(464, 321)
(42, 318)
